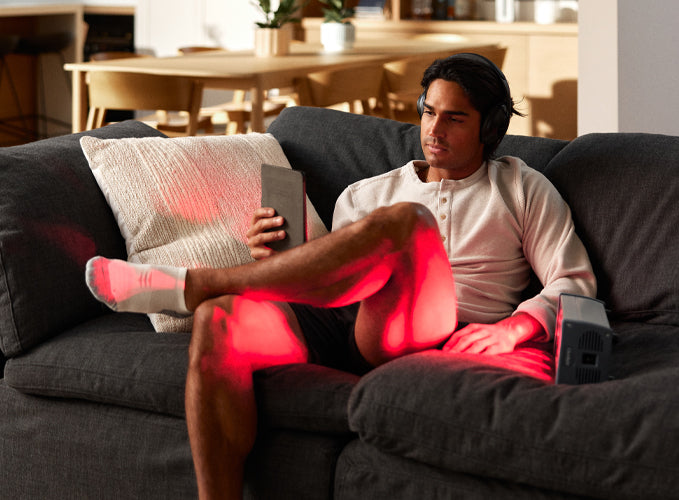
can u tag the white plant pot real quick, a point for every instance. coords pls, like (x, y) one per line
(545, 11)
(504, 11)
(336, 37)
(272, 41)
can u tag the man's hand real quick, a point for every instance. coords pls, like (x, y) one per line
(497, 338)
(262, 220)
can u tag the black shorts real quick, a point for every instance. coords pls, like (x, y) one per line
(330, 338)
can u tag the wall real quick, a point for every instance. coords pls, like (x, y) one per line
(162, 26)
(627, 66)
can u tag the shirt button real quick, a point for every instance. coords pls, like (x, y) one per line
(444, 200)
(443, 238)
(443, 216)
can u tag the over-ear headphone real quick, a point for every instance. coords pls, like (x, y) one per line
(496, 121)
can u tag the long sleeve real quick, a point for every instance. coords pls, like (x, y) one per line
(554, 251)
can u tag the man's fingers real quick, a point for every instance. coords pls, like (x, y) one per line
(262, 225)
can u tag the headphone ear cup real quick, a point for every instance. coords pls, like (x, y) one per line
(495, 125)
(420, 103)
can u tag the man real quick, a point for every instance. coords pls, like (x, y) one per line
(414, 254)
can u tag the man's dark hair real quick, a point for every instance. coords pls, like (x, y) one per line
(485, 86)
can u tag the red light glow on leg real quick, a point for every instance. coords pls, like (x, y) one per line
(254, 335)
(416, 308)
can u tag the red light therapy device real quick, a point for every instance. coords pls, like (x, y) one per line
(582, 342)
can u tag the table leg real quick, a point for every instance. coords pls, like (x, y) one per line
(79, 105)
(257, 114)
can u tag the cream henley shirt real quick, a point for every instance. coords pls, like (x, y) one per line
(495, 225)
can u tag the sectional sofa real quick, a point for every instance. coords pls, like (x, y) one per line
(91, 402)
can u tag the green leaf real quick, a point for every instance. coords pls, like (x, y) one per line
(336, 12)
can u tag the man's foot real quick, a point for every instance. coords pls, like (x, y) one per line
(143, 288)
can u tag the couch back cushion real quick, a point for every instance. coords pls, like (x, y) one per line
(335, 149)
(623, 190)
(53, 218)
(537, 152)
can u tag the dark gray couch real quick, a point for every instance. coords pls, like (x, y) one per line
(91, 403)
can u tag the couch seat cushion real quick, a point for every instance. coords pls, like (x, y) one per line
(119, 359)
(616, 439)
(116, 358)
(308, 397)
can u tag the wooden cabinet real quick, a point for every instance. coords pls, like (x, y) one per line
(42, 86)
(541, 63)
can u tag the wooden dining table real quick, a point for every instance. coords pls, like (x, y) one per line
(242, 70)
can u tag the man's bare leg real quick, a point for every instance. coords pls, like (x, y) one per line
(392, 261)
(232, 336)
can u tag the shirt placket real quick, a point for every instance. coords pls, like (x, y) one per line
(444, 216)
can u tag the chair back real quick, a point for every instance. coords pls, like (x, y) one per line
(403, 78)
(238, 94)
(346, 85)
(197, 49)
(110, 55)
(132, 91)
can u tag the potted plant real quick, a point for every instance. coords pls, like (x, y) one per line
(271, 36)
(337, 32)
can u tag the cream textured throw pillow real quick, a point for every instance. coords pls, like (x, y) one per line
(186, 201)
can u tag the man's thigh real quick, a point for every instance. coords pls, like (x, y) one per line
(330, 337)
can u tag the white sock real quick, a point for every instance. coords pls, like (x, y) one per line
(143, 288)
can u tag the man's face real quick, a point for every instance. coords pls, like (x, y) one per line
(450, 132)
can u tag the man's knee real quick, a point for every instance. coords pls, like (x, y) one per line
(209, 334)
(401, 222)
(232, 332)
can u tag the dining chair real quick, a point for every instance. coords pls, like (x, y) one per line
(110, 55)
(171, 124)
(347, 86)
(133, 91)
(235, 114)
(403, 83)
